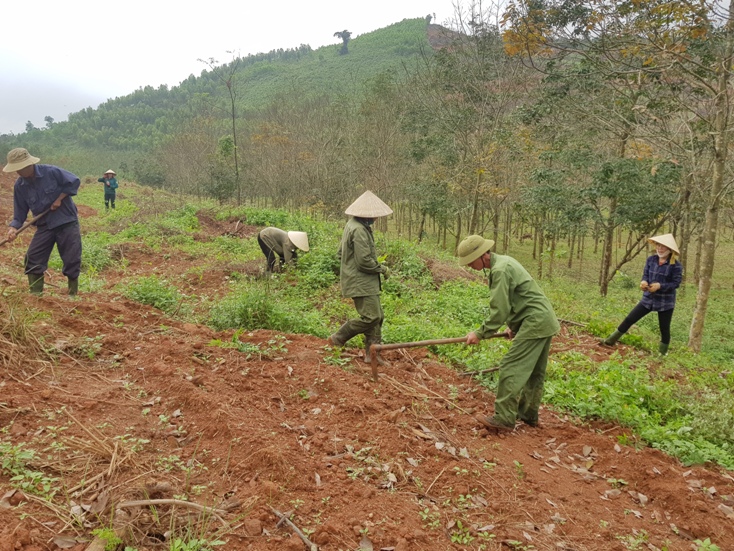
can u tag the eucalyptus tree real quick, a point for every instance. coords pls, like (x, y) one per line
(683, 46)
(227, 75)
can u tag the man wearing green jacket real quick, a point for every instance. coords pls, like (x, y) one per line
(515, 300)
(360, 273)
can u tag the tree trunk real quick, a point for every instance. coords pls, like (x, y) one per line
(711, 224)
(606, 260)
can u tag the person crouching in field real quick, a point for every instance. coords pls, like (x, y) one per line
(661, 277)
(515, 300)
(46, 189)
(110, 185)
(276, 242)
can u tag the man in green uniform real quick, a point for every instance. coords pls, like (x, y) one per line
(515, 300)
(360, 273)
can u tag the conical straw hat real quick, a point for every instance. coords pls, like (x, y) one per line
(667, 240)
(110, 171)
(299, 239)
(368, 205)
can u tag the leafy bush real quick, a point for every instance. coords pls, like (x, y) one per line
(155, 292)
(95, 254)
(318, 269)
(254, 307)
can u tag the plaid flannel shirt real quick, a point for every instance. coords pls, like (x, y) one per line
(669, 276)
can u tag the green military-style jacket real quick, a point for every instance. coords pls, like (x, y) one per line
(516, 300)
(278, 240)
(360, 271)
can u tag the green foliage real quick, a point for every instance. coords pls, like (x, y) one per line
(254, 306)
(706, 545)
(155, 292)
(110, 538)
(95, 253)
(319, 268)
(16, 462)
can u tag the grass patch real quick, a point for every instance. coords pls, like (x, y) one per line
(155, 292)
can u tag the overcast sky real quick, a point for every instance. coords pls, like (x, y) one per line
(59, 57)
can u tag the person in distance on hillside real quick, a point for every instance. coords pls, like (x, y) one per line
(661, 277)
(360, 273)
(515, 300)
(110, 185)
(274, 241)
(46, 189)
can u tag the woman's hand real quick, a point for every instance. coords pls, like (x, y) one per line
(653, 287)
(643, 285)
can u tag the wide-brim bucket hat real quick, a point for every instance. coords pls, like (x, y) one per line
(111, 172)
(299, 239)
(18, 159)
(472, 248)
(666, 240)
(368, 205)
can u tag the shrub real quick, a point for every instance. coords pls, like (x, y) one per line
(155, 292)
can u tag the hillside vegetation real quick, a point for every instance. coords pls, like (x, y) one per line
(181, 374)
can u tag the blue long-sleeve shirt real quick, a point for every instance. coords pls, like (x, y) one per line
(669, 276)
(39, 194)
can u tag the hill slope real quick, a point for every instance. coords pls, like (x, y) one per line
(132, 405)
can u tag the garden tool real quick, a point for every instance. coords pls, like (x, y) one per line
(375, 349)
(27, 224)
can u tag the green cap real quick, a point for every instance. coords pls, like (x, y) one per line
(472, 248)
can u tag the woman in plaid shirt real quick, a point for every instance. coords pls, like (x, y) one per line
(661, 277)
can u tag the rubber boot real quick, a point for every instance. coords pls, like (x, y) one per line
(612, 339)
(73, 287)
(663, 348)
(367, 356)
(35, 281)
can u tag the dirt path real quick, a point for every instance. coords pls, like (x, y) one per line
(140, 406)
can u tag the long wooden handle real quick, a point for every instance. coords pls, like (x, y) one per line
(27, 225)
(375, 348)
(453, 340)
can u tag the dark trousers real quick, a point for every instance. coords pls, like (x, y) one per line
(68, 240)
(270, 254)
(109, 197)
(639, 312)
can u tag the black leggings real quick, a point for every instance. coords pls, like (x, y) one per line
(639, 312)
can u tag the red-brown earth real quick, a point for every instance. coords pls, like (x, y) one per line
(135, 405)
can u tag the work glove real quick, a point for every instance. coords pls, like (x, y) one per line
(385, 272)
(653, 287)
(643, 285)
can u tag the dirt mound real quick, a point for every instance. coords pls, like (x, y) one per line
(247, 437)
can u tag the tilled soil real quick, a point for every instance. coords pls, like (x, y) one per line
(136, 406)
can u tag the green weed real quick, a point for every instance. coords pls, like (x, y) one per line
(156, 292)
(706, 545)
(109, 537)
(17, 463)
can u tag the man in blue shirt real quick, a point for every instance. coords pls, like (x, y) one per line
(46, 189)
